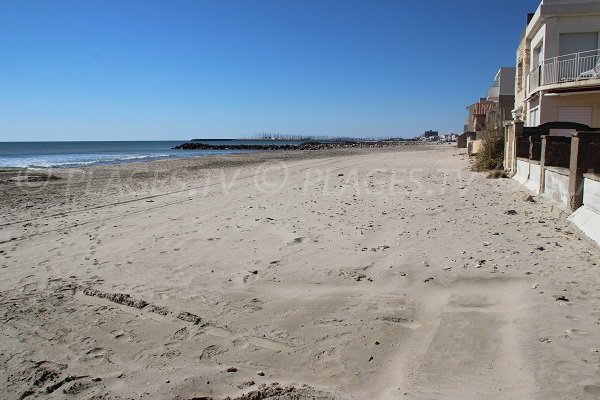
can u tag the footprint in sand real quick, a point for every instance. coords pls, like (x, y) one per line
(181, 334)
(211, 351)
(96, 355)
(80, 385)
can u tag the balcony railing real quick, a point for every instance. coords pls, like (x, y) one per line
(567, 68)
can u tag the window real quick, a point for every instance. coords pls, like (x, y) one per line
(538, 57)
(534, 117)
(571, 43)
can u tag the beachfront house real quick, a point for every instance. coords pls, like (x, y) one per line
(476, 115)
(558, 65)
(553, 145)
(490, 112)
(476, 124)
(558, 72)
(502, 94)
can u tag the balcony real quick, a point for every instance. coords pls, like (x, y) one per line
(576, 67)
(493, 93)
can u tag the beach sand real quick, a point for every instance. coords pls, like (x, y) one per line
(349, 274)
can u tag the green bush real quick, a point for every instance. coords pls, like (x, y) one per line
(491, 154)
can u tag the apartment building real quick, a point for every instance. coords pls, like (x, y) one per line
(558, 65)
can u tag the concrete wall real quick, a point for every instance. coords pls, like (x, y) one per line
(587, 218)
(522, 173)
(535, 175)
(529, 174)
(556, 185)
(591, 192)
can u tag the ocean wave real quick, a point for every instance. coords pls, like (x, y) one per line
(67, 161)
(83, 160)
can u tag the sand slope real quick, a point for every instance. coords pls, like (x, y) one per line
(389, 274)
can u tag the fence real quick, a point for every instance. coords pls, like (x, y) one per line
(523, 146)
(554, 165)
(557, 151)
(591, 157)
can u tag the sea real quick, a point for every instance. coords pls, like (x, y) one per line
(41, 155)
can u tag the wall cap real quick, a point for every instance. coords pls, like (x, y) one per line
(592, 176)
(586, 134)
(558, 170)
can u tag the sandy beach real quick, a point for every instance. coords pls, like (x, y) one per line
(389, 273)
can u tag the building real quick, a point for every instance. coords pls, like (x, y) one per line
(551, 147)
(491, 112)
(462, 140)
(431, 136)
(558, 65)
(476, 115)
(502, 93)
(521, 76)
(449, 137)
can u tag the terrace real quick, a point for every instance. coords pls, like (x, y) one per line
(570, 70)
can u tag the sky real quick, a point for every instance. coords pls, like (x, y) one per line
(178, 69)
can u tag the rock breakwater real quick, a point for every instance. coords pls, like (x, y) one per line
(302, 146)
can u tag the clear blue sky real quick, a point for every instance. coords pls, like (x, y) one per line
(143, 70)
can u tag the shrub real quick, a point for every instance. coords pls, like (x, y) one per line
(491, 154)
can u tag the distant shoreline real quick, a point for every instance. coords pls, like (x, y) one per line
(315, 145)
(42, 155)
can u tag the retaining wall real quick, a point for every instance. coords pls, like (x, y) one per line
(556, 185)
(587, 217)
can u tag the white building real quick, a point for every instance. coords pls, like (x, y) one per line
(560, 48)
(503, 85)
